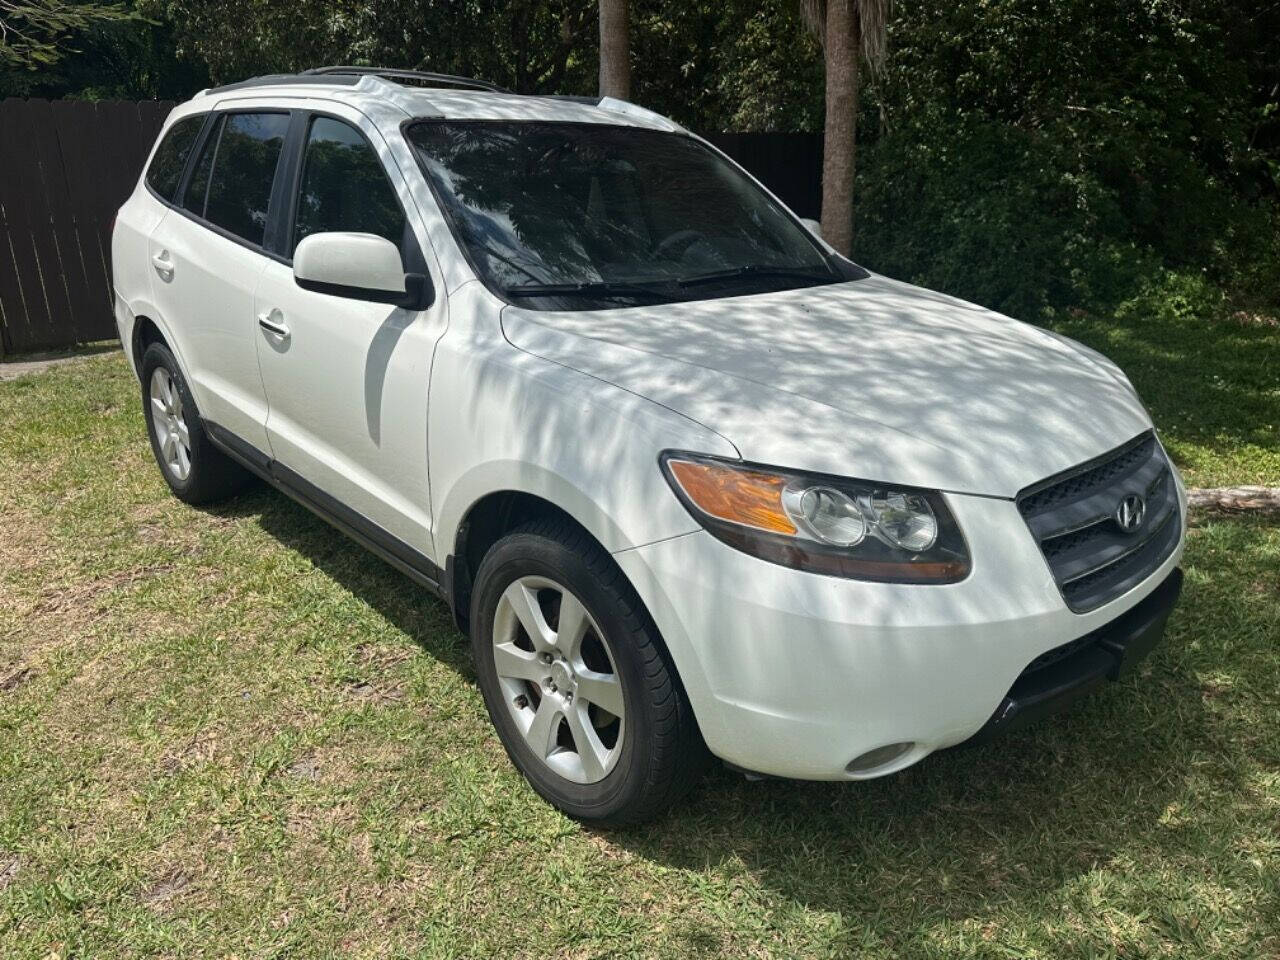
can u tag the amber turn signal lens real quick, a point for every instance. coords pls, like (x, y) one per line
(739, 496)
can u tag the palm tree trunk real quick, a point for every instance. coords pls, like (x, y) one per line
(840, 137)
(615, 50)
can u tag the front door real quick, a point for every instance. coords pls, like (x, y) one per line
(346, 379)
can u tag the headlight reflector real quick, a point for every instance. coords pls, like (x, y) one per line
(847, 528)
(826, 514)
(905, 519)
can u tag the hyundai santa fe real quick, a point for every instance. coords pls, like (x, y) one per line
(694, 484)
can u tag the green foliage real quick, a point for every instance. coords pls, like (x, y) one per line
(530, 46)
(727, 66)
(33, 33)
(130, 59)
(1034, 156)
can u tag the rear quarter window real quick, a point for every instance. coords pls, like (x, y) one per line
(171, 156)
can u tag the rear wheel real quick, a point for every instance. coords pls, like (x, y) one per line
(576, 680)
(195, 470)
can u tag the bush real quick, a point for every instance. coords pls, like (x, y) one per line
(1035, 158)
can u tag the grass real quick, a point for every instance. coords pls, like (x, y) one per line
(232, 733)
(1210, 378)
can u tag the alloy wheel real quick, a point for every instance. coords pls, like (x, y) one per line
(557, 677)
(172, 435)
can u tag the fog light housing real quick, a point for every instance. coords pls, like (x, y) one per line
(878, 757)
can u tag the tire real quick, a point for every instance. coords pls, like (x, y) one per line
(210, 476)
(655, 752)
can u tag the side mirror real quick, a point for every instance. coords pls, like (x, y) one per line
(813, 226)
(359, 266)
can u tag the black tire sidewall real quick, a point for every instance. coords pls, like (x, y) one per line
(528, 554)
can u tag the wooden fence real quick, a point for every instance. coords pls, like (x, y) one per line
(65, 168)
(67, 165)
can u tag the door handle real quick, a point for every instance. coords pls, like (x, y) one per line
(163, 265)
(271, 322)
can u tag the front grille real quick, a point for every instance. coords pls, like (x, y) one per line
(1072, 517)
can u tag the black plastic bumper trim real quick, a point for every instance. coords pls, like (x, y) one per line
(1107, 653)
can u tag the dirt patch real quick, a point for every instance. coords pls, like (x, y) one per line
(83, 597)
(383, 686)
(170, 886)
(308, 768)
(15, 679)
(379, 693)
(8, 869)
(196, 751)
(24, 545)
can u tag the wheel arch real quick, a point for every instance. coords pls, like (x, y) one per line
(145, 333)
(499, 512)
(491, 516)
(148, 327)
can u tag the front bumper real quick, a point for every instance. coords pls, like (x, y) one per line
(1054, 680)
(797, 675)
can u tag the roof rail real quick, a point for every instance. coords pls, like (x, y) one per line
(426, 78)
(349, 76)
(276, 80)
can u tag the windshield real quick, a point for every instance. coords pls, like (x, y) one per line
(580, 216)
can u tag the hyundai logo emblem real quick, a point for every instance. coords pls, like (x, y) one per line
(1130, 513)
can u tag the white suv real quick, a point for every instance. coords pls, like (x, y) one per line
(689, 480)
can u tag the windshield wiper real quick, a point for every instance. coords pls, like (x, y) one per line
(596, 288)
(758, 270)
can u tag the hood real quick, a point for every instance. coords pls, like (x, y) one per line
(873, 379)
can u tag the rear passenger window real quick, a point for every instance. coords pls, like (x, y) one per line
(344, 186)
(231, 185)
(171, 156)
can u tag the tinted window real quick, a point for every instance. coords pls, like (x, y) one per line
(198, 186)
(344, 186)
(610, 213)
(171, 156)
(244, 168)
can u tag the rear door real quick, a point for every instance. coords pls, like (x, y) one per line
(347, 384)
(207, 255)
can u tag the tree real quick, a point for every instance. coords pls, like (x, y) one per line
(849, 31)
(530, 46)
(33, 34)
(615, 50)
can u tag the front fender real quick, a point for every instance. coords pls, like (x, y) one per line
(501, 419)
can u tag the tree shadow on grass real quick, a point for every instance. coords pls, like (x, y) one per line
(423, 617)
(963, 835)
(1211, 384)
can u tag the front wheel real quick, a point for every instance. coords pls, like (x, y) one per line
(576, 680)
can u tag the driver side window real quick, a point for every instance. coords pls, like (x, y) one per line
(344, 187)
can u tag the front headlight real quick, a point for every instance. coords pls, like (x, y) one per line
(846, 528)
